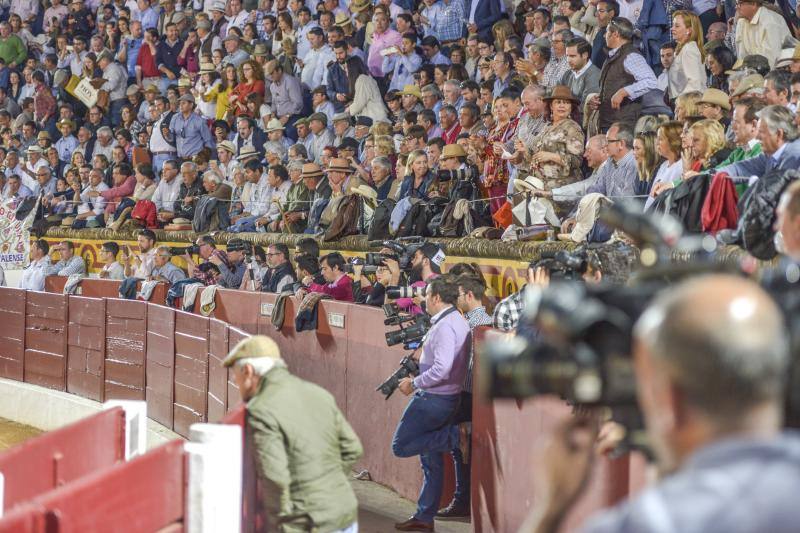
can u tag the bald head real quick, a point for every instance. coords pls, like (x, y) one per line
(723, 343)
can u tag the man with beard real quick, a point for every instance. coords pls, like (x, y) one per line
(280, 273)
(338, 85)
(426, 265)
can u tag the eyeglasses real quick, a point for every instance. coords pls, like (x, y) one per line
(274, 254)
(609, 141)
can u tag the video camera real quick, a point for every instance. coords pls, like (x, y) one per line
(404, 249)
(411, 337)
(192, 249)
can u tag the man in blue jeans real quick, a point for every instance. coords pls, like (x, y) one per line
(425, 427)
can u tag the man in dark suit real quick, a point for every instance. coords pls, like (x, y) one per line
(481, 16)
(248, 134)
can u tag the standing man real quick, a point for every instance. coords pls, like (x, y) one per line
(583, 78)
(287, 97)
(189, 130)
(383, 38)
(759, 30)
(423, 429)
(303, 445)
(33, 277)
(116, 84)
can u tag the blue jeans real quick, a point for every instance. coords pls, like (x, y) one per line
(244, 224)
(422, 431)
(461, 495)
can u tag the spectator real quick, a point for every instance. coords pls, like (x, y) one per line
(303, 445)
(759, 30)
(401, 62)
(93, 204)
(207, 248)
(140, 265)
(191, 190)
(33, 277)
(230, 264)
(287, 96)
(163, 268)
(124, 185)
(167, 192)
(189, 130)
(280, 274)
(364, 93)
(69, 263)
(112, 269)
(687, 72)
(338, 284)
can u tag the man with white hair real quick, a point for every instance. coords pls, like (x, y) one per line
(303, 445)
(105, 143)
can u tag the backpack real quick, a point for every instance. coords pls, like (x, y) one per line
(345, 221)
(379, 229)
(415, 223)
(757, 208)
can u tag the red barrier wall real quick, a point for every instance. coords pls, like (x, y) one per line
(46, 340)
(101, 288)
(160, 367)
(126, 336)
(63, 455)
(86, 347)
(124, 495)
(12, 331)
(191, 370)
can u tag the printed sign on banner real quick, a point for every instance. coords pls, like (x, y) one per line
(15, 237)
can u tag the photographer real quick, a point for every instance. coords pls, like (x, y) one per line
(207, 249)
(424, 430)
(711, 357)
(338, 284)
(231, 271)
(426, 265)
(280, 273)
(375, 293)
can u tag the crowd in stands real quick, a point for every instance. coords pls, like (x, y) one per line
(434, 118)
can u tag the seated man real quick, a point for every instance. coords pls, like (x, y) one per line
(218, 267)
(167, 192)
(33, 277)
(338, 284)
(280, 273)
(140, 265)
(108, 255)
(213, 217)
(90, 211)
(231, 271)
(69, 264)
(164, 269)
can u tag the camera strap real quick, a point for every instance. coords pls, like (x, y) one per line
(452, 309)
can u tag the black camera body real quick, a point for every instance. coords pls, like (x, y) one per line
(411, 336)
(191, 250)
(404, 249)
(463, 174)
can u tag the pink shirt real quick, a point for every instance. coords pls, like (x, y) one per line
(380, 41)
(341, 289)
(115, 195)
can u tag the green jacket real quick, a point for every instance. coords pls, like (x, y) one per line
(304, 452)
(740, 154)
(13, 50)
(297, 200)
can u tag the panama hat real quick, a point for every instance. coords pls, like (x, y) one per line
(207, 68)
(274, 125)
(411, 90)
(531, 183)
(260, 50)
(247, 151)
(753, 82)
(228, 146)
(312, 170)
(366, 192)
(339, 164)
(360, 5)
(453, 150)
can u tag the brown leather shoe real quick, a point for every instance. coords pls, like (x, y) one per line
(412, 524)
(465, 440)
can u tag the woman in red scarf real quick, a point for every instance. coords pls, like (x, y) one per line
(495, 170)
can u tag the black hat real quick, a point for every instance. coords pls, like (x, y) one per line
(433, 252)
(363, 121)
(349, 143)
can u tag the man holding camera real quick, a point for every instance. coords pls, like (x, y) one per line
(424, 429)
(711, 358)
(425, 266)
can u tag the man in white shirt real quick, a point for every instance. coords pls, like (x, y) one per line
(315, 62)
(304, 25)
(167, 191)
(108, 255)
(91, 207)
(33, 277)
(31, 167)
(78, 53)
(239, 17)
(141, 265)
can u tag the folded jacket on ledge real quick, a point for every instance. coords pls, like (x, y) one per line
(306, 319)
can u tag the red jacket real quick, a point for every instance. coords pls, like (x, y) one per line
(719, 208)
(145, 212)
(341, 290)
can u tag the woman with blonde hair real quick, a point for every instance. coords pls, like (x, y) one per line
(501, 31)
(669, 145)
(419, 180)
(688, 71)
(708, 147)
(687, 106)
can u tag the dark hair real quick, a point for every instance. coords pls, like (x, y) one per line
(428, 115)
(753, 106)
(281, 172)
(473, 109)
(148, 233)
(468, 269)
(253, 165)
(308, 246)
(333, 260)
(281, 248)
(438, 141)
(430, 40)
(417, 132)
(145, 169)
(410, 117)
(355, 68)
(473, 284)
(510, 94)
(43, 246)
(340, 44)
(613, 5)
(669, 44)
(207, 239)
(407, 17)
(68, 244)
(581, 44)
(111, 247)
(308, 263)
(561, 19)
(445, 288)
(781, 80)
(723, 56)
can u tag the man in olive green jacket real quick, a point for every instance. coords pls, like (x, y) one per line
(304, 446)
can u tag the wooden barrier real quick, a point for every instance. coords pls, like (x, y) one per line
(101, 288)
(62, 456)
(124, 497)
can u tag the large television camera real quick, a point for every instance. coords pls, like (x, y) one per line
(411, 336)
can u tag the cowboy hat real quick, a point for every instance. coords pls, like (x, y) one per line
(453, 150)
(43, 135)
(184, 82)
(342, 20)
(312, 170)
(753, 82)
(339, 164)
(274, 125)
(260, 50)
(66, 122)
(717, 98)
(561, 92)
(360, 5)
(531, 183)
(207, 68)
(228, 146)
(411, 90)
(366, 192)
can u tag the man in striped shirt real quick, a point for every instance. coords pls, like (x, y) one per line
(69, 264)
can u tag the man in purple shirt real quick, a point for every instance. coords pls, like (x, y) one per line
(425, 427)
